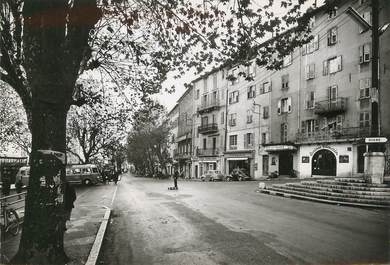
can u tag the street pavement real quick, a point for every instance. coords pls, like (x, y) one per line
(90, 207)
(205, 223)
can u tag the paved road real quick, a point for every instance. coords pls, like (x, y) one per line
(229, 223)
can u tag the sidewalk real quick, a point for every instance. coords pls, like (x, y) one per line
(79, 237)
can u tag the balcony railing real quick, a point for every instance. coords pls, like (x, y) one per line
(208, 128)
(333, 134)
(207, 152)
(208, 106)
(331, 106)
(181, 155)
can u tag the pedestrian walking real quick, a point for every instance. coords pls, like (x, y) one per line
(175, 177)
(69, 198)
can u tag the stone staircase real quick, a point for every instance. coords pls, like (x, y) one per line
(342, 191)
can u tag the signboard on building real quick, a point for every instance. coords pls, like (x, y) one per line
(375, 140)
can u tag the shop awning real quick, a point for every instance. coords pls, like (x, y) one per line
(279, 148)
(208, 161)
(237, 158)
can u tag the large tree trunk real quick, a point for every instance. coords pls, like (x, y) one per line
(43, 229)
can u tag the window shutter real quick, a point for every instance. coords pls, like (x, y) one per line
(316, 42)
(289, 105)
(307, 71)
(279, 107)
(312, 70)
(316, 125)
(329, 37)
(334, 35)
(303, 126)
(367, 51)
(339, 63)
(361, 87)
(361, 54)
(325, 67)
(245, 140)
(304, 48)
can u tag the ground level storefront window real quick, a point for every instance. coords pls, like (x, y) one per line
(240, 164)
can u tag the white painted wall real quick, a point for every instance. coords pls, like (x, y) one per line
(343, 169)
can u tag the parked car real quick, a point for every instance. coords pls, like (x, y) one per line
(212, 175)
(238, 174)
(23, 175)
(83, 174)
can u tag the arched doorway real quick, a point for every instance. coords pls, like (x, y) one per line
(324, 163)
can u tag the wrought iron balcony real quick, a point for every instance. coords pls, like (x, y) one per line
(181, 155)
(208, 106)
(207, 152)
(330, 107)
(333, 135)
(208, 128)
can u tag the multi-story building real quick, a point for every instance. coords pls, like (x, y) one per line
(311, 117)
(209, 122)
(183, 153)
(324, 113)
(173, 117)
(242, 121)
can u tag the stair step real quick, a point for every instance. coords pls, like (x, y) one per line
(332, 193)
(352, 180)
(303, 197)
(345, 187)
(341, 190)
(331, 198)
(357, 184)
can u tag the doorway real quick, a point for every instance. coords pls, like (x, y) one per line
(285, 163)
(324, 163)
(360, 158)
(265, 165)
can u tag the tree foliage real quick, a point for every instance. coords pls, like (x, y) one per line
(13, 123)
(96, 127)
(148, 141)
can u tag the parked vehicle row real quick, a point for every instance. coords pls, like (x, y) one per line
(88, 174)
(216, 175)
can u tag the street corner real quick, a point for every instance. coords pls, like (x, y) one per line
(85, 232)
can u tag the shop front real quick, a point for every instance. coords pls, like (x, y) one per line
(202, 165)
(240, 160)
(327, 160)
(280, 158)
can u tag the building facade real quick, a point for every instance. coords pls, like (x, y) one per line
(184, 147)
(311, 117)
(173, 117)
(209, 122)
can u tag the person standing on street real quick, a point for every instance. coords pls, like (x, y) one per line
(175, 177)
